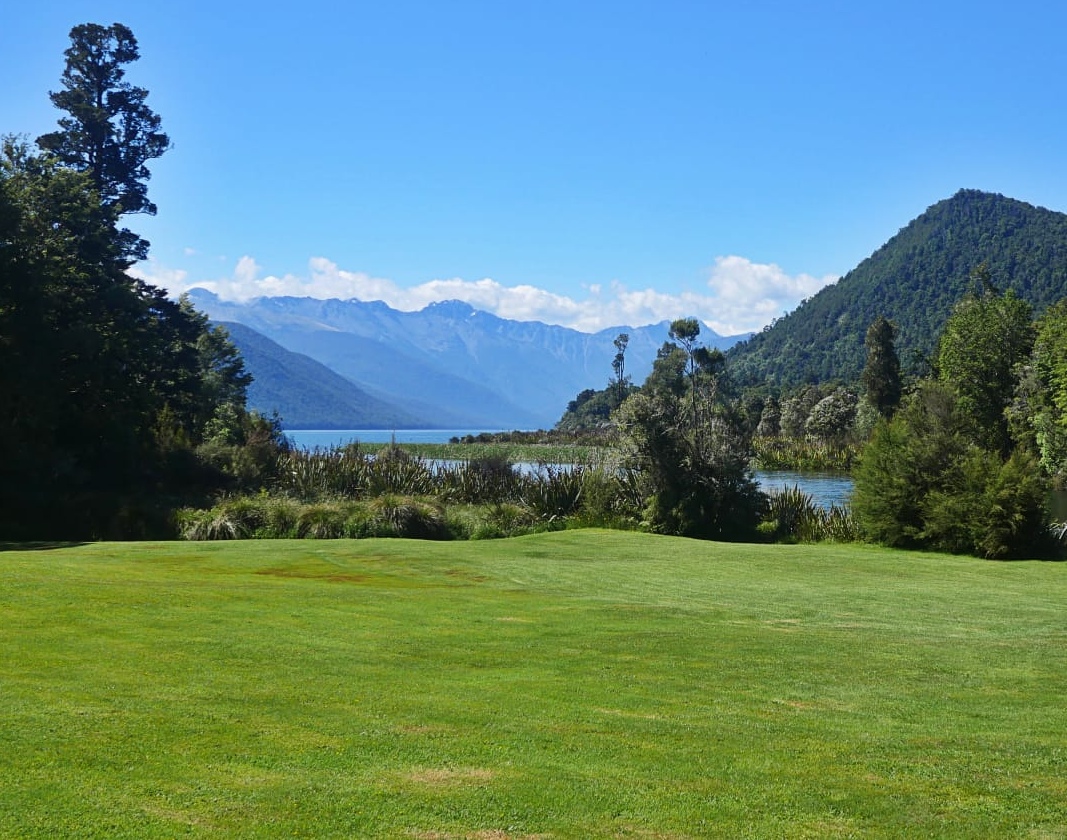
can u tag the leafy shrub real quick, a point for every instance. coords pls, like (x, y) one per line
(923, 482)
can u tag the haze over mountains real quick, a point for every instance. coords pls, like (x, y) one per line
(358, 364)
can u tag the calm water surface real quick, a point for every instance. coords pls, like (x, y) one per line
(825, 489)
(326, 439)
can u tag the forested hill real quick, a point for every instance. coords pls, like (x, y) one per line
(914, 280)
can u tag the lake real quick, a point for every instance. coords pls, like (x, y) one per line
(329, 438)
(825, 489)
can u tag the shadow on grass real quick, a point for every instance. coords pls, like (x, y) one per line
(39, 545)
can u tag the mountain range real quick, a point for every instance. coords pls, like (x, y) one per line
(361, 364)
(358, 364)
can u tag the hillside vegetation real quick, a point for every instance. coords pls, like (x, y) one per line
(914, 280)
(587, 684)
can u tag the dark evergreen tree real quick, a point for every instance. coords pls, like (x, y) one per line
(924, 482)
(109, 387)
(109, 131)
(881, 374)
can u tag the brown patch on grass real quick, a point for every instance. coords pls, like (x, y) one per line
(465, 575)
(308, 574)
(421, 729)
(439, 776)
(179, 817)
(649, 834)
(484, 834)
(622, 713)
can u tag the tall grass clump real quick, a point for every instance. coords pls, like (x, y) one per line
(488, 479)
(793, 516)
(804, 455)
(242, 517)
(402, 516)
(554, 492)
(504, 519)
(315, 474)
(397, 472)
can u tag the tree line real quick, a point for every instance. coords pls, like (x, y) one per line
(118, 402)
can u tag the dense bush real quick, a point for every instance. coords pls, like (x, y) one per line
(923, 482)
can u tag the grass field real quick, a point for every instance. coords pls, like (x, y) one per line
(567, 685)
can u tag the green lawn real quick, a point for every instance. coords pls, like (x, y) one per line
(575, 684)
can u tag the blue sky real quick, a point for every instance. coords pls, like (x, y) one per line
(589, 164)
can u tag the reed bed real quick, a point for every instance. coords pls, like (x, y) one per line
(351, 492)
(806, 455)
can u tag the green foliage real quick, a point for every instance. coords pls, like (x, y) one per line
(689, 447)
(591, 410)
(109, 131)
(399, 516)
(490, 478)
(272, 517)
(914, 280)
(554, 492)
(795, 410)
(775, 453)
(832, 417)
(503, 519)
(111, 391)
(881, 373)
(923, 481)
(1038, 414)
(983, 344)
(793, 516)
(903, 462)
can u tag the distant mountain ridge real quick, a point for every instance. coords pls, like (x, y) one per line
(306, 393)
(914, 279)
(446, 366)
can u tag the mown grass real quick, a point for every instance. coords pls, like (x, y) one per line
(574, 684)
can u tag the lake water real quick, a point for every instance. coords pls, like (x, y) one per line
(327, 439)
(825, 489)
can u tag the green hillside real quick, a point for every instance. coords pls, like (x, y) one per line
(914, 280)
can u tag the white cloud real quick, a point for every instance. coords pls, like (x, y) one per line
(173, 279)
(754, 294)
(742, 295)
